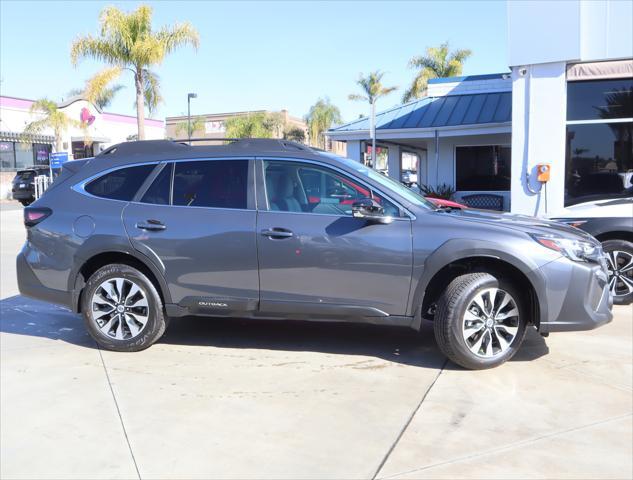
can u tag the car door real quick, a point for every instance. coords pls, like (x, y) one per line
(197, 220)
(315, 258)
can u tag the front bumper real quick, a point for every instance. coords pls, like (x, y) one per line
(578, 296)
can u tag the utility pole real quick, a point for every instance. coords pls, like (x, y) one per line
(189, 97)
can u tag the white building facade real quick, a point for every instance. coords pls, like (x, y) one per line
(572, 85)
(566, 103)
(91, 131)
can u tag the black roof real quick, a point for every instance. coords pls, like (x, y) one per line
(145, 150)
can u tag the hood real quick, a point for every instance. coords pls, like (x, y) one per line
(523, 223)
(606, 208)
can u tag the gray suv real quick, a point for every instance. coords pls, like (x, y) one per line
(269, 229)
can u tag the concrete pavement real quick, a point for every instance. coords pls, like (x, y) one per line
(245, 399)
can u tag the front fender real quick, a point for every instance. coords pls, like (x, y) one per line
(461, 249)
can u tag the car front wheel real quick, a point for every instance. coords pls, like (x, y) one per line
(620, 264)
(122, 309)
(480, 321)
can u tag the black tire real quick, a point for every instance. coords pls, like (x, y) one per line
(610, 246)
(449, 316)
(25, 203)
(155, 325)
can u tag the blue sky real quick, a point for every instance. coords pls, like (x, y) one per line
(255, 55)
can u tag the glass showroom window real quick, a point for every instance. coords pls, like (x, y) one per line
(7, 156)
(23, 155)
(483, 168)
(382, 154)
(599, 150)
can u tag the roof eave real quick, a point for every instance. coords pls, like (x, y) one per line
(452, 130)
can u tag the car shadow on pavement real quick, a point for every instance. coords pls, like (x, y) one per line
(23, 316)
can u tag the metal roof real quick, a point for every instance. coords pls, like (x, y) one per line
(438, 112)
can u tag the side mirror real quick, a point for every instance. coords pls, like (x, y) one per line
(370, 210)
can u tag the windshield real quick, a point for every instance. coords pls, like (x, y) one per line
(385, 181)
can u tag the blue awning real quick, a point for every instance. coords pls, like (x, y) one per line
(438, 112)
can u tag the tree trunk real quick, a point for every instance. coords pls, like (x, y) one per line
(140, 104)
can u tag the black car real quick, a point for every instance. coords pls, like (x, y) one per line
(23, 189)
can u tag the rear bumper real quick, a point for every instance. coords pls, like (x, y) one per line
(22, 194)
(30, 286)
(584, 304)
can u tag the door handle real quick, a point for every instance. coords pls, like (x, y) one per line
(154, 225)
(277, 233)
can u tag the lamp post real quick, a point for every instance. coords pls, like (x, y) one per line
(189, 97)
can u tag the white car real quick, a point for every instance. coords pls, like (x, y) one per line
(611, 222)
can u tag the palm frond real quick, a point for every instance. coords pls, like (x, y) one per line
(178, 35)
(438, 62)
(356, 97)
(97, 86)
(151, 91)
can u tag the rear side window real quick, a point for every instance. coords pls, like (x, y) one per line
(158, 193)
(27, 175)
(211, 183)
(121, 184)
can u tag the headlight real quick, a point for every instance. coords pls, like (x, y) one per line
(577, 250)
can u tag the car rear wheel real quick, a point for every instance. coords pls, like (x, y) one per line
(122, 309)
(620, 264)
(480, 321)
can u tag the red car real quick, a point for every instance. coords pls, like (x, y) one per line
(441, 202)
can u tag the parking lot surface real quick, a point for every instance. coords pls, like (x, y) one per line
(246, 399)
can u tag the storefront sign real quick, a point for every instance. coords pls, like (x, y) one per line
(86, 117)
(58, 159)
(214, 127)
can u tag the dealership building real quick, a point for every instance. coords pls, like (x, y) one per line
(564, 108)
(91, 131)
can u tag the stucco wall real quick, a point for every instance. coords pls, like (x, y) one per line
(539, 109)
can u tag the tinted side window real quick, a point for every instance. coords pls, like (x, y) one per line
(292, 187)
(159, 190)
(212, 183)
(120, 184)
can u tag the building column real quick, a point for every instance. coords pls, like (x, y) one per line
(539, 112)
(393, 162)
(353, 150)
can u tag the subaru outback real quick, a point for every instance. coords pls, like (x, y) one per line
(268, 229)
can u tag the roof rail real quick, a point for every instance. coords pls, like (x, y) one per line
(166, 146)
(141, 146)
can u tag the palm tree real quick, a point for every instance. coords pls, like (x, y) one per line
(53, 118)
(103, 99)
(322, 115)
(127, 42)
(197, 123)
(438, 62)
(373, 89)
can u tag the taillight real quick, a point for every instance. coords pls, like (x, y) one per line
(34, 215)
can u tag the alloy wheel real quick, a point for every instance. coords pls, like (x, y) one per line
(120, 308)
(620, 266)
(491, 322)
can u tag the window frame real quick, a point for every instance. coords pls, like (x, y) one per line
(570, 201)
(469, 145)
(262, 197)
(80, 187)
(250, 183)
